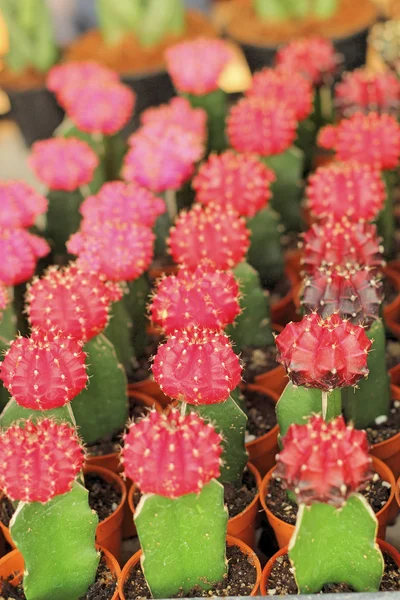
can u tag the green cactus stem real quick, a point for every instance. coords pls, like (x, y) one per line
(136, 301)
(265, 252)
(161, 231)
(63, 218)
(57, 541)
(216, 106)
(183, 540)
(117, 19)
(8, 329)
(386, 223)
(336, 545)
(14, 412)
(282, 10)
(109, 148)
(119, 332)
(371, 398)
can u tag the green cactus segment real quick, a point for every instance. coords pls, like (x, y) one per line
(336, 545)
(216, 106)
(298, 403)
(14, 412)
(230, 421)
(8, 330)
(252, 328)
(102, 408)
(287, 189)
(57, 541)
(324, 9)
(109, 149)
(306, 141)
(161, 231)
(265, 252)
(117, 19)
(32, 42)
(119, 332)
(371, 398)
(386, 224)
(183, 540)
(282, 10)
(136, 302)
(63, 218)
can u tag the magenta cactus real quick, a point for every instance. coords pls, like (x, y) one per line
(72, 74)
(364, 91)
(22, 249)
(313, 57)
(20, 204)
(4, 297)
(178, 112)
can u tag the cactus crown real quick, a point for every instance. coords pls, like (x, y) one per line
(62, 78)
(324, 354)
(20, 204)
(22, 249)
(313, 57)
(45, 371)
(39, 460)
(239, 180)
(204, 297)
(70, 299)
(324, 462)
(171, 455)
(355, 294)
(178, 112)
(197, 366)
(364, 91)
(213, 232)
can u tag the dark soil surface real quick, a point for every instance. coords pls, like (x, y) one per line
(388, 429)
(392, 353)
(104, 498)
(261, 415)
(258, 360)
(239, 499)
(6, 511)
(141, 366)
(280, 290)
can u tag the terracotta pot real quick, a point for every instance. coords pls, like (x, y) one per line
(262, 450)
(398, 492)
(157, 272)
(384, 546)
(13, 564)
(389, 450)
(150, 388)
(109, 531)
(275, 379)
(284, 531)
(293, 260)
(394, 277)
(394, 265)
(284, 311)
(231, 541)
(5, 530)
(395, 376)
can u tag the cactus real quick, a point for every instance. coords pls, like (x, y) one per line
(136, 302)
(32, 41)
(364, 91)
(282, 10)
(313, 57)
(23, 249)
(8, 329)
(265, 252)
(20, 204)
(70, 74)
(174, 459)
(178, 111)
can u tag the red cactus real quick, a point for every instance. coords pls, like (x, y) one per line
(351, 190)
(370, 139)
(178, 112)
(39, 461)
(4, 297)
(62, 77)
(341, 243)
(323, 354)
(44, 371)
(291, 88)
(171, 455)
(22, 250)
(264, 126)
(70, 299)
(20, 204)
(364, 91)
(313, 57)
(196, 65)
(197, 366)
(122, 201)
(119, 250)
(239, 180)
(205, 297)
(63, 163)
(213, 232)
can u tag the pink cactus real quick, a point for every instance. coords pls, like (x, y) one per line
(204, 297)
(44, 371)
(70, 299)
(171, 455)
(323, 354)
(39, 461)
(117, 200)
(162, 157)
(20, 204)
(4, 297)
(313, 57)
(350, 189)
(239, 180)
(196, 65)
(364, 91)
(197, 366)
(178, 112)
(324, 462)
(22, 250)
(62, 77)
(265, 126)
(370, 139)
(213, 232)
(291, 88)
(63, 163)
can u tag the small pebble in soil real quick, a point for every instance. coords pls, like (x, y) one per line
(257, 361)
(387, 428)
(261, 414)
(236, 499)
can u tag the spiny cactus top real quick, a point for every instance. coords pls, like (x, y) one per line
(265, 126)
(122, 201)
(44, 371)
(364, 91)
(355, 294)
(195, 66)
(313, 57)
(178, 112)
(370, 139)
(204, 297)
(63, 163)
(348, 189)
(39, 461)
(162, 157)
(212, 232)
(70, 299)
(119, 250)
(239, 180)
(22, 250)
(291, 88)
(171, 455)
(71, 74)
(197, 366)
(324, 354)
(324, 462)
(341, 243)
(20, 204)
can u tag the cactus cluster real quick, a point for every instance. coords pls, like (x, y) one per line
(314, 57)
(365, 91)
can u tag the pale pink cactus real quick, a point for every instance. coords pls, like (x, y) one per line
(20, 204)
(22, 250)
(62, 77)
(313, 57)
(178, 112)
(363, 90)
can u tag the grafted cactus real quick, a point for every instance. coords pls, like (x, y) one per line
(281, 10)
